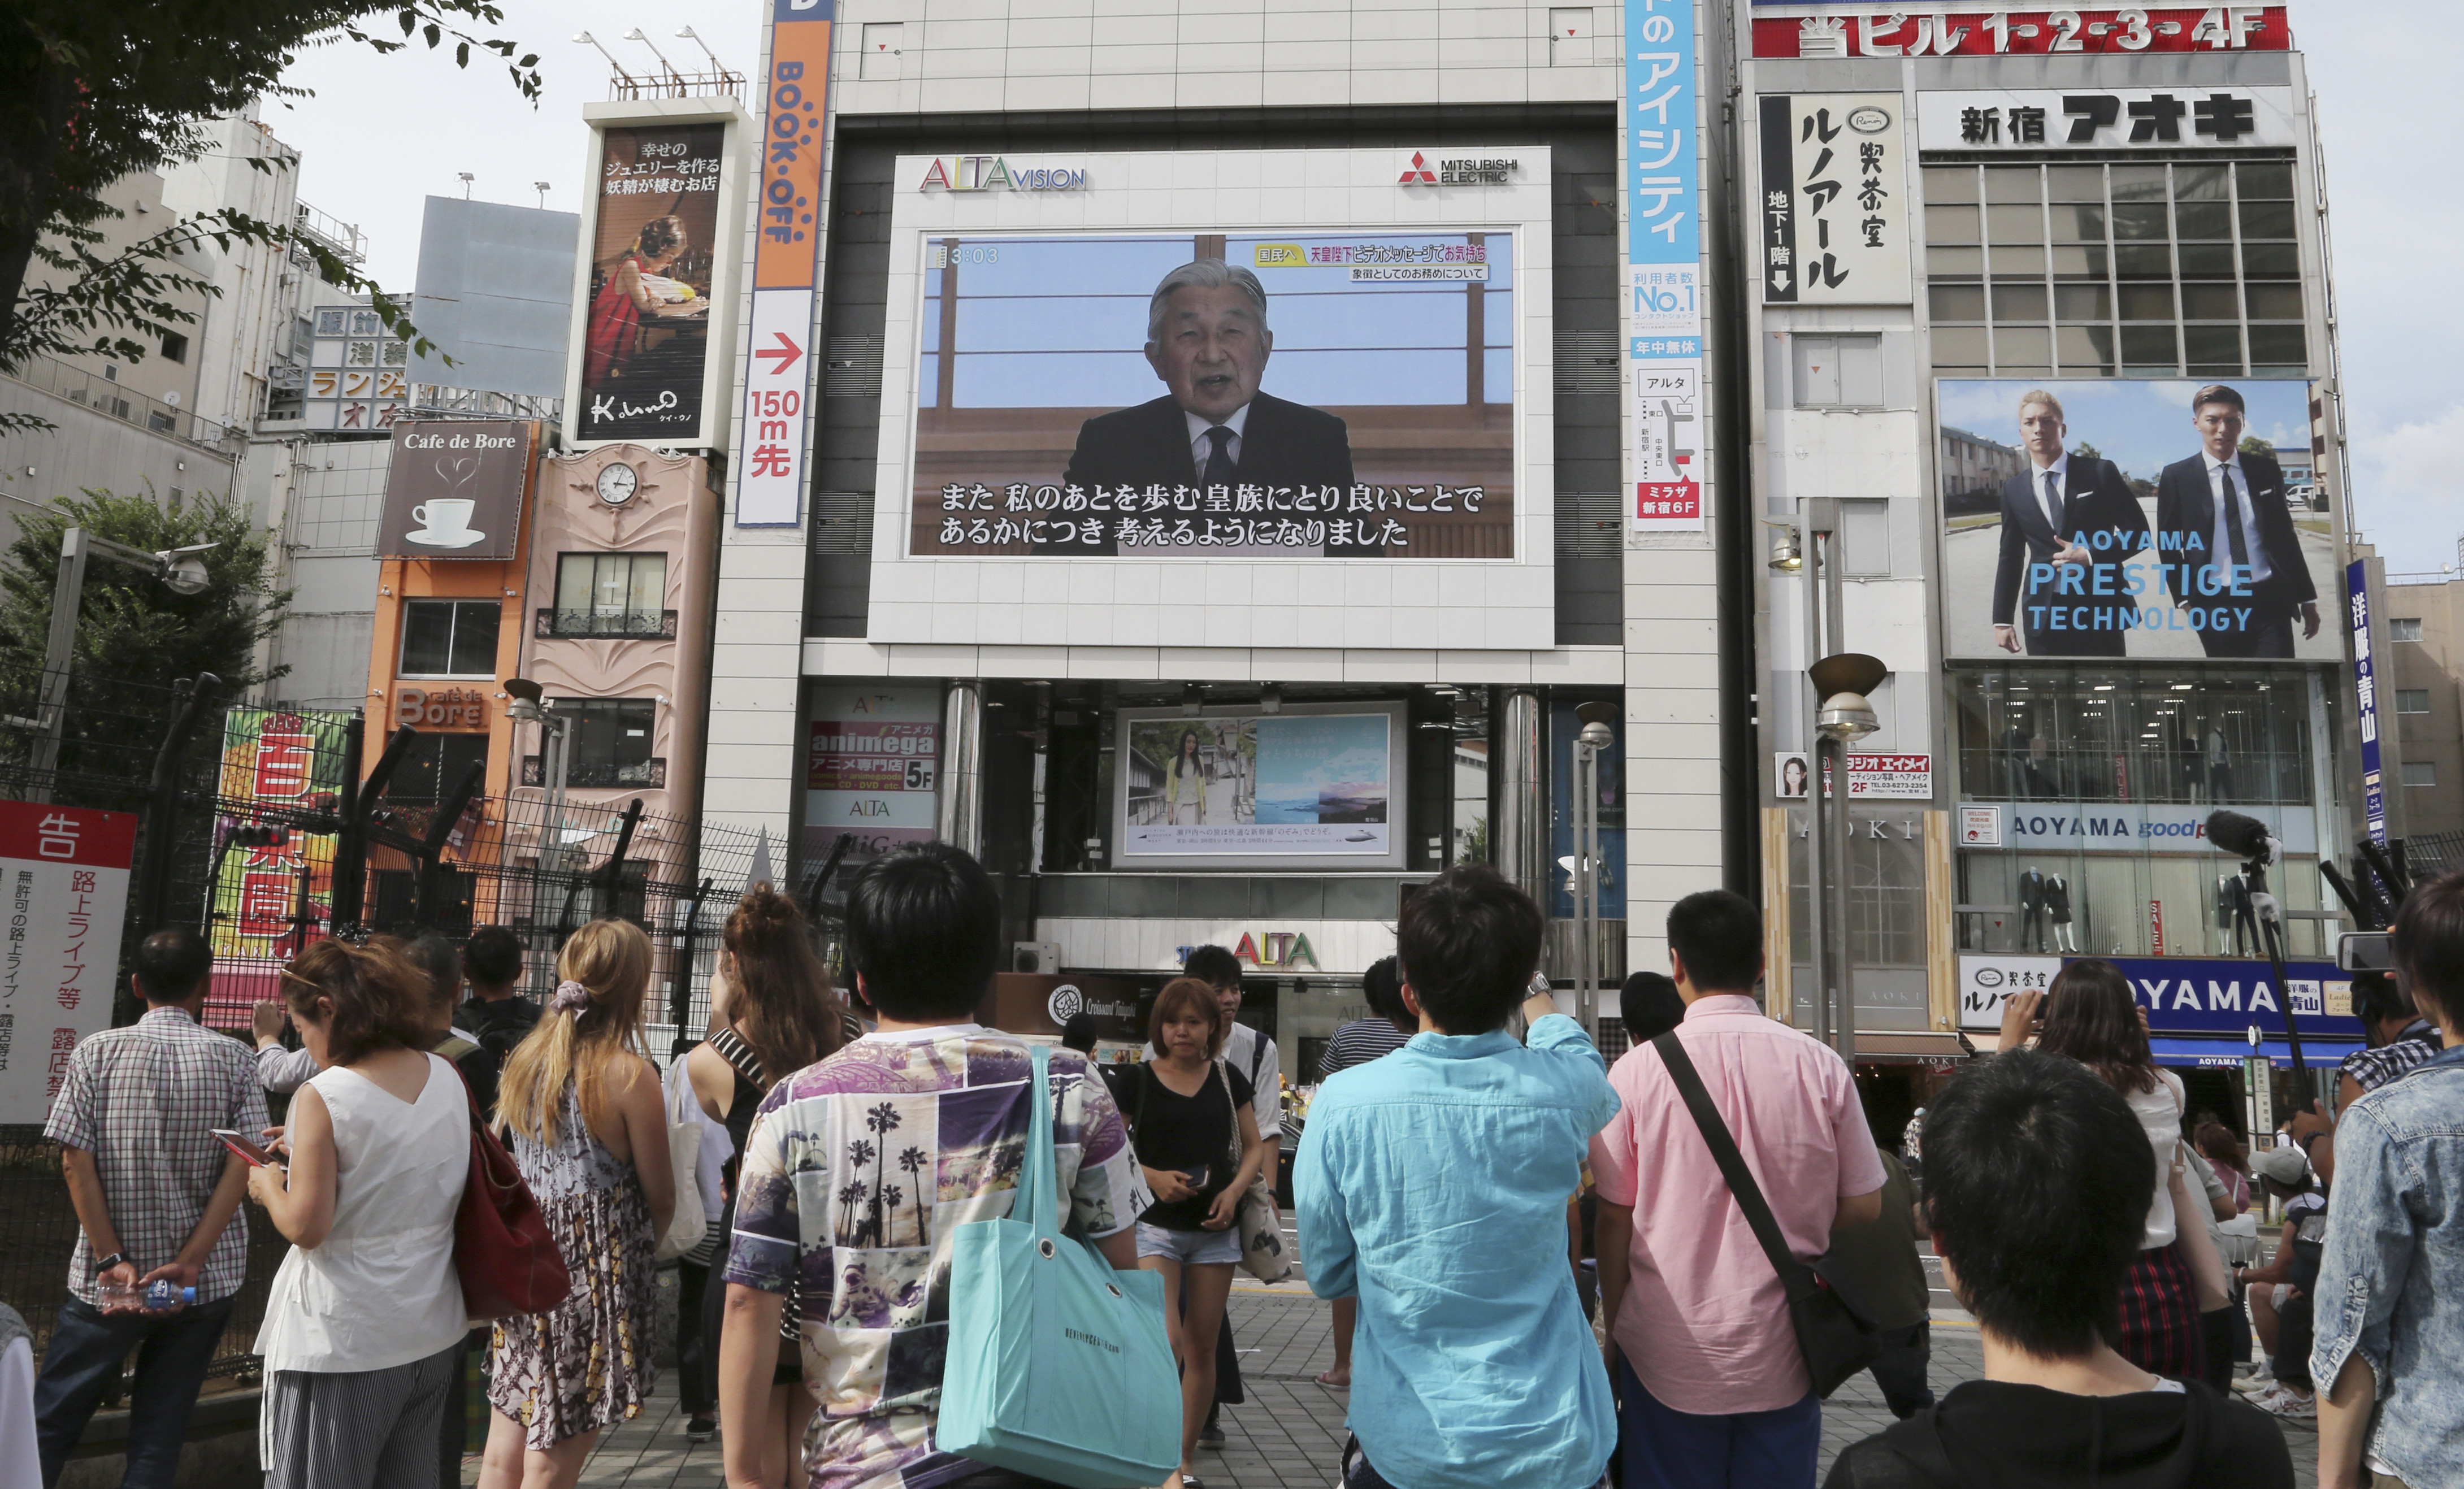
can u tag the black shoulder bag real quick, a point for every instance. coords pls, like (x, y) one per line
(1835, 1333)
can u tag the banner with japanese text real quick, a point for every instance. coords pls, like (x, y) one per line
(63, 894)
(1663, 264)
(774, 431)
(272, 887)
(1835, 216)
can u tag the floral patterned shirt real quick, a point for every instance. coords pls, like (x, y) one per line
(857, 1173)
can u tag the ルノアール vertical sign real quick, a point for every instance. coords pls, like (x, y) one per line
(771, 438)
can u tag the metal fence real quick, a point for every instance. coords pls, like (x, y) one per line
(270, 877)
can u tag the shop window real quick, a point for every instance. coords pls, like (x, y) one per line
(2404, 630)
(435, 765)
(2202, 255)
(2412, 700)
(2420, 773)
(611, 595)
(450, 638)
(2081, 735)
(610, 742)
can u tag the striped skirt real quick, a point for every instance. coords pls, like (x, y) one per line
(378, 1428)
(2160, 1316)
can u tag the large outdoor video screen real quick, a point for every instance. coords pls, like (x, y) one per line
(1268, 395)
(2126, 517)
(1308, 786)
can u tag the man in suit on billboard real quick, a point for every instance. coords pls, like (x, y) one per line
(2230, 549)
(2056, 586)
(1207, 340)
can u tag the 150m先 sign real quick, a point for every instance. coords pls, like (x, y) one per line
(63, 892)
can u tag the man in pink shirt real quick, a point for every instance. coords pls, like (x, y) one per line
(1712, 1388)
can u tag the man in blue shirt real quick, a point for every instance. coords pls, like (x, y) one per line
(1432, 1185)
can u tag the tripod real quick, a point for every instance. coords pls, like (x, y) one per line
(2271, 932)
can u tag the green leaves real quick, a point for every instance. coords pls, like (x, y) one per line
(110, 89)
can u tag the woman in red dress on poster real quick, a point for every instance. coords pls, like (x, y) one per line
(615, 332)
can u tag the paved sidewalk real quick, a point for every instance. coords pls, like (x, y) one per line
(1290, 1432)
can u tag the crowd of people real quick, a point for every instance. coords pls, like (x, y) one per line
(1476, 1190)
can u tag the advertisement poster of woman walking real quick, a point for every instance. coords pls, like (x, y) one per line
(1244, 786)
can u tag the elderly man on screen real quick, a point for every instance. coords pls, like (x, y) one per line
(1208, 341)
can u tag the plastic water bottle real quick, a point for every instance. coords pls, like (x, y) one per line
(154, 1297)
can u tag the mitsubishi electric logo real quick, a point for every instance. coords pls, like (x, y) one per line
(1421, 171)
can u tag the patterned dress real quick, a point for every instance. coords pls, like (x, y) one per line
(585, 1364)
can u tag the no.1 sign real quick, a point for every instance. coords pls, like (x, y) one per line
(63, 889)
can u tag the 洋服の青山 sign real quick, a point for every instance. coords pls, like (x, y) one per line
(995, 173)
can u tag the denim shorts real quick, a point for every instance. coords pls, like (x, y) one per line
(1189, 1248)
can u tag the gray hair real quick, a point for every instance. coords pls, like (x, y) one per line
(1203, 274)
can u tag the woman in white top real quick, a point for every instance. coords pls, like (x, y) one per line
(364, 1317)
(2090, 1016)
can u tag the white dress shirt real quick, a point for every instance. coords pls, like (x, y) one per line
(1201, 449)
(284, 1071)
(2227, 481)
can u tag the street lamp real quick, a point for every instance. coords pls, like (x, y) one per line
(527, 707)
(583, 38)
(1841, 681)
(178, 568)
(642, 36)
(1596, 736)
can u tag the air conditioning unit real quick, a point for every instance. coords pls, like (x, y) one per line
(1038, 956)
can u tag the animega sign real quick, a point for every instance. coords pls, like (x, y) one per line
(2123, 826)
(2182, 995)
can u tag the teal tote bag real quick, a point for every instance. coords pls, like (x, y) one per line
(1059, 1367)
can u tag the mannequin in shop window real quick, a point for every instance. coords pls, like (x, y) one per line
(2058, 910)
(2233, 908)
(2014, 756)
(2032, 909)
(2220, 766)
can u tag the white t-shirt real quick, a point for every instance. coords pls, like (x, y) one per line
(2160, 1116)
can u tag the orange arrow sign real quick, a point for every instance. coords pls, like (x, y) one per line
(786, 351)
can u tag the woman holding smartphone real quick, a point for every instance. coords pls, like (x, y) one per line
(363, 1322)
(1197, 1138)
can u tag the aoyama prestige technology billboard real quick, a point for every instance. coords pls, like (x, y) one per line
(2126, 517)
(1311, 785)
(1321, 379)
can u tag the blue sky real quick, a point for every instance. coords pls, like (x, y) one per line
(383, 132)
(2140, 426)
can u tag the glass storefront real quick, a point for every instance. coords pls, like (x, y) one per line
(2070, 751)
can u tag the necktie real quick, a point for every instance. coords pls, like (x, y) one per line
(2229, 492)
(1218, 460)
(2054, 505)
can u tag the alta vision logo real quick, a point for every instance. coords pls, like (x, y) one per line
(993, 173)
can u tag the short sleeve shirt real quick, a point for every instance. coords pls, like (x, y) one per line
(857, 1173)
(1705, 1321)
(145, 1101)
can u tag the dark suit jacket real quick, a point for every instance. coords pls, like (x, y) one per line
(2095, 500)
(1282, 444)
(2186, 505)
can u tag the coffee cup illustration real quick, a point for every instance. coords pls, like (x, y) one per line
(444, 522)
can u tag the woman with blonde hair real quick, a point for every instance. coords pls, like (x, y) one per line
(364, 1324)
(773, 1012)
(580, 1109)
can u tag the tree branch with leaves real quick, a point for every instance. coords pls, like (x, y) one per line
(93, 93)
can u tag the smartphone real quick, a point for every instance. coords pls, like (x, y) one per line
(240, 1143)
(1197, 1175)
